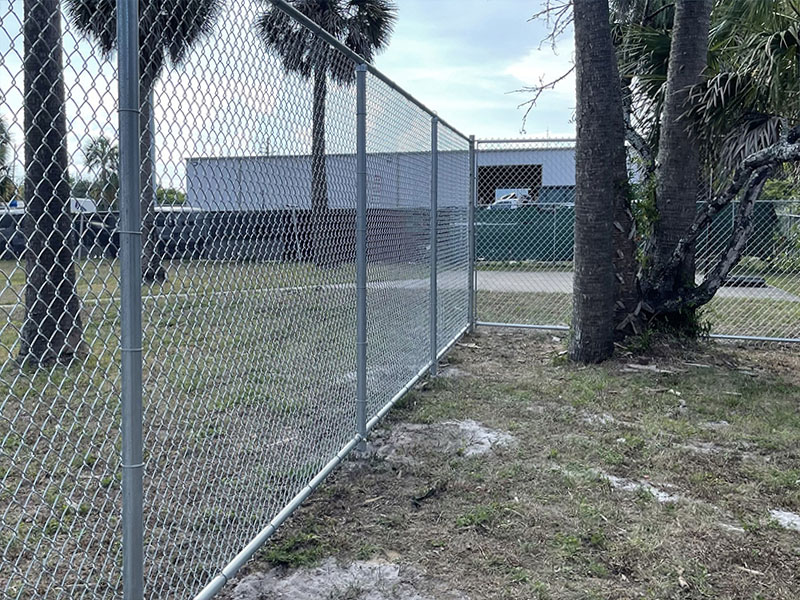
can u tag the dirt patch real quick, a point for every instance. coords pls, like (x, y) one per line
(786, 519)
(611, 486)
(361, 580)
(406, 442)
(630, 485)
(452, 372)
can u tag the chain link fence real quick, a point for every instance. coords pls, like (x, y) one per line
(524, 232)
(524, 240)
(296, 257)
(228, 248)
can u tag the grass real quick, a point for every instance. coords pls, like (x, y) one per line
(518, 307)
(247, 394)
(727, 316)
(718, 426)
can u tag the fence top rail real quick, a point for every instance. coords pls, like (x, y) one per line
(359, 60)
(526, 141)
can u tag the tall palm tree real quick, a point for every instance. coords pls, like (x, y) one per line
(103, 156)
(52, 330)
(598, 183)
(679, 162)
(365, 27)
(167, 31)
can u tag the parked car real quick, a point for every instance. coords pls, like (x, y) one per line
(12, 238)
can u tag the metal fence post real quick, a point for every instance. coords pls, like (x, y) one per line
(361, 255)
(434, 226)
(131, 301)
(471, 235)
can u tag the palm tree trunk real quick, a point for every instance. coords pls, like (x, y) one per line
(319, 178)
(52, 330)
(601, 178)
(678, 165)
(152, 269)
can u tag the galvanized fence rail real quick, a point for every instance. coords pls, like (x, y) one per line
(524, 240)
(272, 247)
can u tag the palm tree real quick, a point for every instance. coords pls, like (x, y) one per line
(598, 183)
(679, 162)
(52, 330)
(6, 182)
(365, 27)
(167, 30)
(103, 156)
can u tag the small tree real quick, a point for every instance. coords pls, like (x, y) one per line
(365, 27)
(7, 187)
(52, 330)
(167, 29)
(103, 157)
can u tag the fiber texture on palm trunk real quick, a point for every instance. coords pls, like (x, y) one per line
(678, 164)
(152, 269)
(319, 177)
(600, 181)
(52, 330)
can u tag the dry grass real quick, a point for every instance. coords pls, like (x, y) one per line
(718, 426)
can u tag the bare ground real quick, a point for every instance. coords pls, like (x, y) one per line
(671, 472)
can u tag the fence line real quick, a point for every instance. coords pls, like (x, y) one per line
(524, 249)
(318, 268)
(333, 238)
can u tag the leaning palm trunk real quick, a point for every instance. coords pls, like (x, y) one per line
(600, 181)
(52, 330)
(319, 177)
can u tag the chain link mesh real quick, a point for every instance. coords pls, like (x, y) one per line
(524, 232)
(453, 265)
(398, 241)
(249, 190)
(59, 341)
(524, 238)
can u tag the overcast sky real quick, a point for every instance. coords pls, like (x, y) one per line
(463, 58)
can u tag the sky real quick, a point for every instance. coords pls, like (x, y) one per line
(465, 58)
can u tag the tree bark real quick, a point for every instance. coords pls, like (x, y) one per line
(152, 269)
(678, 163)
(52, 330)
(601, 182)
(746, 185)
(319, 178)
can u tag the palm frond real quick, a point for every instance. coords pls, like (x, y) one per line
(364, 26)
(166, 27)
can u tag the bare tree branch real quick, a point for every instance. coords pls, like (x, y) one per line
(557, 14)
(654, 14)
(537, 91)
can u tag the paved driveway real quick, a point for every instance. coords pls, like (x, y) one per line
(561, 282)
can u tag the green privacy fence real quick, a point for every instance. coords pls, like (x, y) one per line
(542, 232)
(545, 232)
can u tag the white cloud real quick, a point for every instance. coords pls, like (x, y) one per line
(543, 65)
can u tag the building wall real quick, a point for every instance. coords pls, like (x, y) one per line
(394, 181)
(558, 164)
